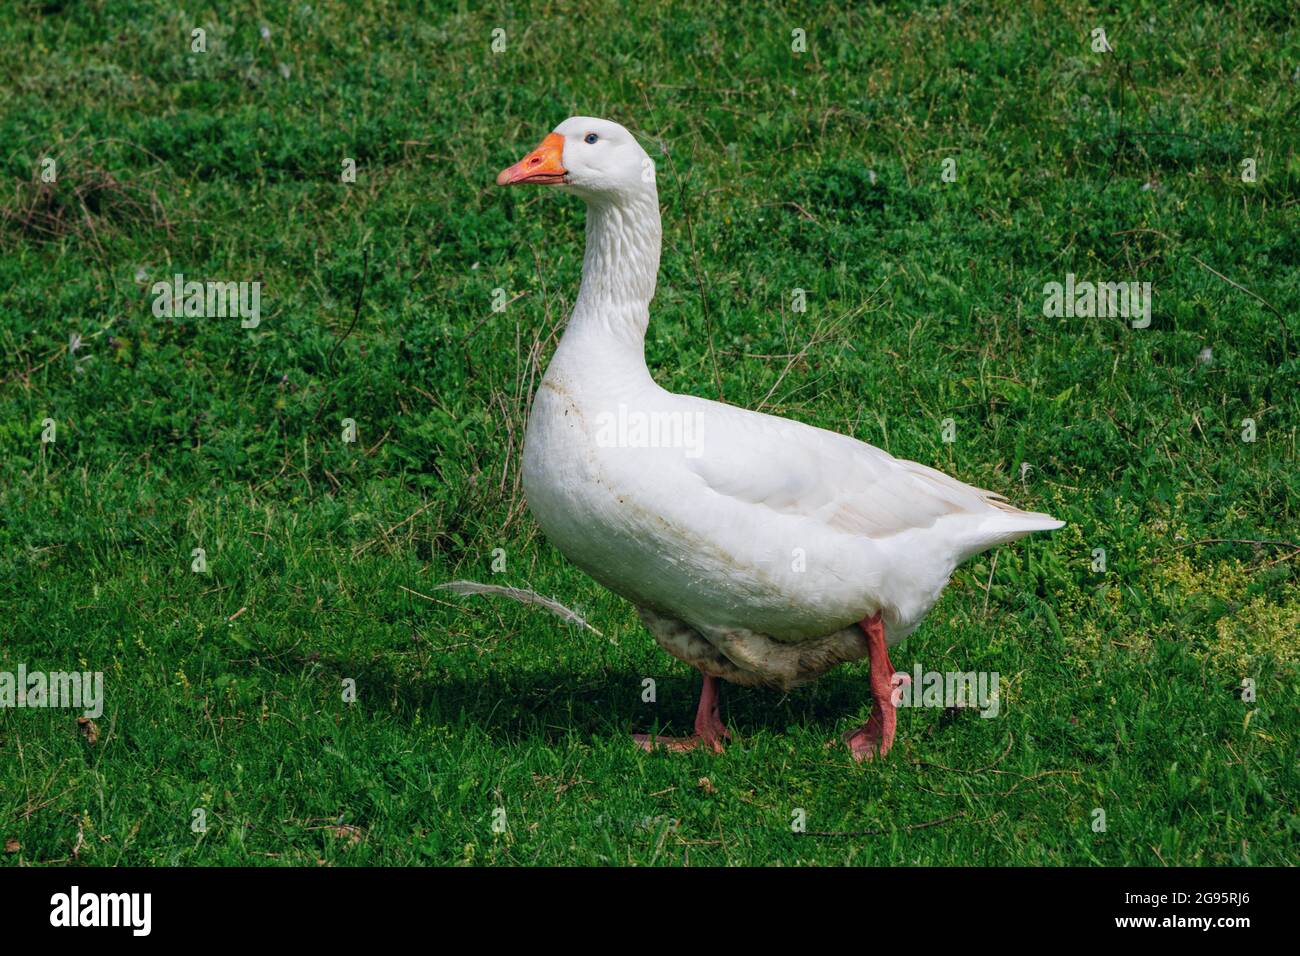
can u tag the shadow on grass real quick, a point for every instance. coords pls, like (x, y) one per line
(552, 705)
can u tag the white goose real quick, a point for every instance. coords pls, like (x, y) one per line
(756, 549)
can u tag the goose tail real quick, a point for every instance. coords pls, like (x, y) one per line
(1007, 525)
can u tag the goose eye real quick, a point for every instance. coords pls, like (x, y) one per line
(590, 138)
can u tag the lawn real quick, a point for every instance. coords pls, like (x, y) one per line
(311, 697)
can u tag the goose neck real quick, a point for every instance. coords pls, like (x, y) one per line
(619, 267)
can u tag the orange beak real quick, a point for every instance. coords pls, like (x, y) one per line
(543, 165)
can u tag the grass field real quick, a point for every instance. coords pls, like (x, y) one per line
(822, 170)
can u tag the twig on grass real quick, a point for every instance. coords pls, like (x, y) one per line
(882, 832)
(356, 317)
(831, 329)
(1281, 317)
(411, 517)
(1257, 543)
(1010, 742)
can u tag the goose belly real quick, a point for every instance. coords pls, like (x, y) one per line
(631, 518)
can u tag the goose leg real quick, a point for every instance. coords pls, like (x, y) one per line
(876, 736)
(709, 728)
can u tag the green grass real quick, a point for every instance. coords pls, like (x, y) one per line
(821, 171)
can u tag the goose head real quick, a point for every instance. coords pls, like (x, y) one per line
(596, 159)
